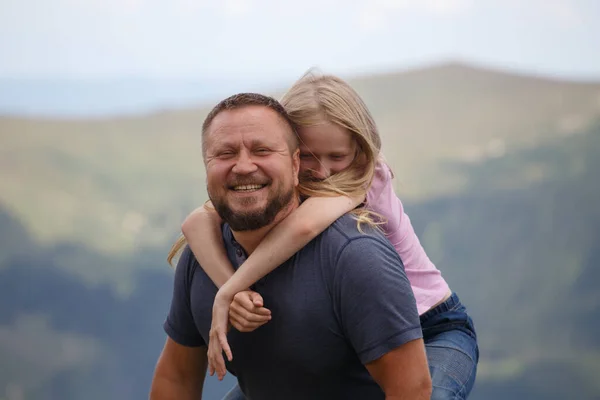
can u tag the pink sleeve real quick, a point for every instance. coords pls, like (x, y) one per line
(382, 199)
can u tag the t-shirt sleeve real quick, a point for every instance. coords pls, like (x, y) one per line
(373, 298)
(382, 199)
(179, 324)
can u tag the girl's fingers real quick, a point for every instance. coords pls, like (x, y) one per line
(215, 356)
(211, 368)
(225, 346)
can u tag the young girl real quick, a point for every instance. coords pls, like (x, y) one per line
(341, 169)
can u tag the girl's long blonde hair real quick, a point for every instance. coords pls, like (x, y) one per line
(315, 99)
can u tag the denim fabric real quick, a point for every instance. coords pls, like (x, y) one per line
(452, 351)
(235, 394)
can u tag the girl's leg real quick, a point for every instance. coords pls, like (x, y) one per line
(452, 364)
(452, 351)
(235, 394)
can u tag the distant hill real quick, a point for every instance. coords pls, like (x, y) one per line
(525, 258)
(498, 173)
(64, 338)
(117, 183)
(520, 244)
(458, 113)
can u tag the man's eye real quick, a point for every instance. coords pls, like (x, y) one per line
(262, 150)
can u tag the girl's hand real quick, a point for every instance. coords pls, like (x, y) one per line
(217, 342)
(246, 312)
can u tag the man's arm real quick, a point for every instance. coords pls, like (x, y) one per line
(377, 309)
(403, 372)
(181, 368)
(179, 373)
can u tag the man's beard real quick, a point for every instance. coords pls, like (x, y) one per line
(249, 221)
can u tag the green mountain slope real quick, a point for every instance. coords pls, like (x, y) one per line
(499, 177)
(524, 259)
(120, 183)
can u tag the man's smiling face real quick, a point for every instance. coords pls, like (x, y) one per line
(251, 174)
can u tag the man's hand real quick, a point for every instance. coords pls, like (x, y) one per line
(247, 311)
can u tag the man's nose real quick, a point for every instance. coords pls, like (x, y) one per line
(244, 164)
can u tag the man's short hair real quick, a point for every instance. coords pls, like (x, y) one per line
(251, 99)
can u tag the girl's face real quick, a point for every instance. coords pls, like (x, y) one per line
(325, 149)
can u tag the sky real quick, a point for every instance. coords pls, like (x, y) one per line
(277, 39)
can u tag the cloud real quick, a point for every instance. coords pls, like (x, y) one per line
(372, 20)
(564, 13)
(447, 7)
(194, 37)
(141, 7)
(377, 14)
(236, 7)
(438, 7)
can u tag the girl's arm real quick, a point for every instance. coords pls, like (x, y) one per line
(202, 230)
(311, 218)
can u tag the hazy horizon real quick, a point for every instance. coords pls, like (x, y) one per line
(76, 97)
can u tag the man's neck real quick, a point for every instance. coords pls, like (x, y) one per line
(249, 240)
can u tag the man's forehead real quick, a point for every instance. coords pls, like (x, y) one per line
(258, 120)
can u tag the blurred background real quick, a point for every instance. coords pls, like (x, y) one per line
(490, 116)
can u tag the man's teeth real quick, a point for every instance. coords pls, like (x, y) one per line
(247, 187)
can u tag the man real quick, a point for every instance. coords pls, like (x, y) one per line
(344, 320)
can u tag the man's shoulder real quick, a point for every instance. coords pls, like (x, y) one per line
(187, 260)
(188, 265)
(346, 227)
(189, 272)
(345, 243)
(345, 231)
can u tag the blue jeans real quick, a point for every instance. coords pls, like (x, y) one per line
(452, 351)
(235, 394)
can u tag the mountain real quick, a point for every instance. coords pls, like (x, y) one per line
(499, 179)
(143, 173)
(61, 338)
(525, 259)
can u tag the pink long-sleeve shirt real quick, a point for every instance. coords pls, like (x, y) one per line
(426, 280)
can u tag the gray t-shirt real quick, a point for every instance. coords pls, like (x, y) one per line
(339, 303)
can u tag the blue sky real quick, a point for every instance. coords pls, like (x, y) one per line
(264, 39)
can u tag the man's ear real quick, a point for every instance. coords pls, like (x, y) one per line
(296, 166)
